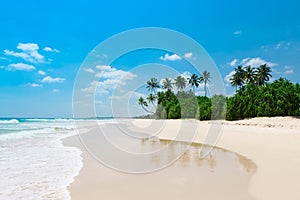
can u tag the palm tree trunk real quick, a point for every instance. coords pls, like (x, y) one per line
(147, 110)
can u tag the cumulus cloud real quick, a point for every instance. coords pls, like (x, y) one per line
(108, 72)
(256, 62)
(103, 67)
(229, 76)
(172, 57)
(49, 79)
(49, 49)
(290, 71)
(41, 72)
(233, 62)
(109, 78)
(245, 60)
(90, 70)
(28, 52)
(35, 85)
(186, 74)
(21, 67)
(188, 55)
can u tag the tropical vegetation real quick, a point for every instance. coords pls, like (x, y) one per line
(254, 97)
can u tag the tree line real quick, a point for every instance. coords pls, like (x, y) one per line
(254, 97)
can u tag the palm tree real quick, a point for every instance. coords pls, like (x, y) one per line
(167, 84)
(238, 78)
(234, 81)
(152, 85)
(151, 98)
(263, 74)
(143, 103)
(180, 82)
(194, 81)
(249, 75)
(205, 78)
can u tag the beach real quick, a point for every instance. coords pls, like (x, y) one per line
(270, 146)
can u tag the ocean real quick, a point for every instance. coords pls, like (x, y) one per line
(34, 163)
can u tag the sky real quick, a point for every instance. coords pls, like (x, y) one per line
(44, 43)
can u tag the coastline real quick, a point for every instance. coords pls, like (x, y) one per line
(273, 144)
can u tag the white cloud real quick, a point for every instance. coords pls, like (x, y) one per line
(55, 90)
(256, 62)
(40, 72)
(90, 70)
(170, 57)
(186, 74)
(233, 62)
(49, 49)
(21, 67)
(28, 47)
(229, 76)
(108, 72)
(35, 85)
(109, 78)
(103, 67)
(282, 44)
(49, 79)
(287, 67)
(290, 71)
(188, 55)
(244, 61)
(238, 32)
(29, 52)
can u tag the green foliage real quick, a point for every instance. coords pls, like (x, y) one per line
(180, 82)
(281, 98)
(204, 108)
(218, 107)
(152, 85)
(188, 104)
(170, 105)
(254, 98)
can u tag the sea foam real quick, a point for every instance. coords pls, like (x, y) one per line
(34, 164)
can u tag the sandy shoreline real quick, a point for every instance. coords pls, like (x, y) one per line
(273, 144)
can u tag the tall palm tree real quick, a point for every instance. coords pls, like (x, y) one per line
(167, 84)
(151, 98)
(263, 74)
(144, 104)
(194, 81)
(205, 78)
(238, 78)
(180, 82)
(152, 85)
(249, 75)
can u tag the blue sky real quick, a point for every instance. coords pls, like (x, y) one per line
(43, 43)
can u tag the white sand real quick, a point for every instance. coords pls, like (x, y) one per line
(273, 144)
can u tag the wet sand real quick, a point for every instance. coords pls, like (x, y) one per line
(261, 161)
